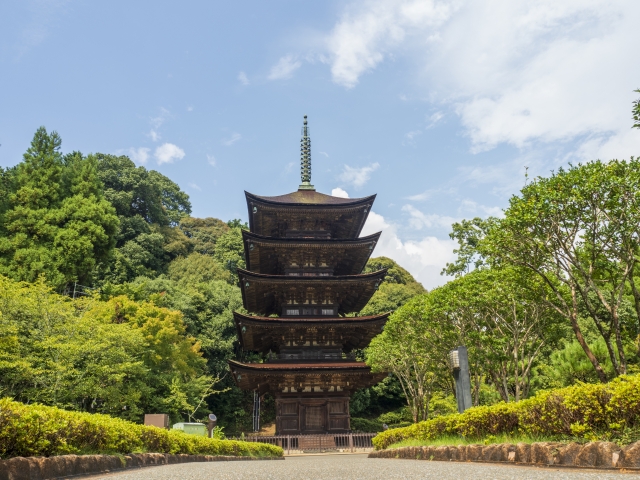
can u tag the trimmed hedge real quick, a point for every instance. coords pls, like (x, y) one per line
(586, 411)
(29, 430)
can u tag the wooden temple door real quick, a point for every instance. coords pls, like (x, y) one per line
(314, 417)
(287, 419)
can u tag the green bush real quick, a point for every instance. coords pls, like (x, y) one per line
(365, 425)
(29, 430)
(585, 411)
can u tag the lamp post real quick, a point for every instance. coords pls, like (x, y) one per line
(459, 364)
(212, 424)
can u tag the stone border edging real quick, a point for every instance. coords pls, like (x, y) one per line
(60, 466)
(603, 455)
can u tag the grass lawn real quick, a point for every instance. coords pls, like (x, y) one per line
(459, 440)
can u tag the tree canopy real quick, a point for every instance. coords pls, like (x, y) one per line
(56, 220)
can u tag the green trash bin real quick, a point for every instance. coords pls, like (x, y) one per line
(192, 428)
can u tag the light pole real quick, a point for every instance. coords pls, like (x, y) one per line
(459, 363)
(212, 424)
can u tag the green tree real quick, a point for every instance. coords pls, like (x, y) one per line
(636, 112)
(501, 316)
(198, 268)
(120, 356)
(6, 189)
(398, 287)
(57, 224)
(150, 206)
(469, 235)
(578, 231)
(414, 349)
(203, 233)
(229, 250)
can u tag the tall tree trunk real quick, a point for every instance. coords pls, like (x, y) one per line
(602, 376)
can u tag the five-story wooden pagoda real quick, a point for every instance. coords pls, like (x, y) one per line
(304, 277)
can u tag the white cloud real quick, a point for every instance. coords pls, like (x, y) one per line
(155, 136)
(138, 155)
(434, 119)
(338, 192)
(412, 134)
(424, 258)
(195, 186)
(362, 37)
(288, 168)
(358, 176)
(324, 153)
(189, 108)
(514, 72)
(243, 79)
(471, 207)
(211, 160)
(284, 68)
(157, 121)
(41, 16)
(419, 220)
(167, 153)
(232, 139)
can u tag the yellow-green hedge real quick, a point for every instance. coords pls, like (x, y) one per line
(586, 411)
(28, 430)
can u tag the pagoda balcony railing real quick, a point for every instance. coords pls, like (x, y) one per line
(311, 355)
(309, 311)
(324, 234)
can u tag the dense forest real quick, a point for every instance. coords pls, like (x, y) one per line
(113, 299)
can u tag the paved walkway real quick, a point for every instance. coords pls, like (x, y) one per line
(356, 467)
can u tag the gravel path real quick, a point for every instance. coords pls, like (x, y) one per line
(356, 467)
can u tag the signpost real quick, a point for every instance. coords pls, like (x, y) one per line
(459, 363)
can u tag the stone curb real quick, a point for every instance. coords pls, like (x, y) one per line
(601, 455)
(61, 466)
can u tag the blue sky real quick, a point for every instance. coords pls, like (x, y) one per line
(436, 106)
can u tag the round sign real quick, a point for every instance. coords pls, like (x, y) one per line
(212, 417)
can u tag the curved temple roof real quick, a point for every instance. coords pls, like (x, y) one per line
(307, 210)
(309, 197)
(269, 333)
(268, 294)
(268, 255)
(264, 377)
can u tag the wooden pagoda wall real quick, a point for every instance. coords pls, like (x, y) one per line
(301, 414)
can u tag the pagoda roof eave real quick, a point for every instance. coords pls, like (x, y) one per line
(293, 320)
(305, 366)
(309, 198)
(264, 334)
(377, 275)
(265, 377)
(269, 293)
(263, 239)
(270, 254)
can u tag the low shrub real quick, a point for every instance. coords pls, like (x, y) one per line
(30, 430)
(365, 425)
(585, 411)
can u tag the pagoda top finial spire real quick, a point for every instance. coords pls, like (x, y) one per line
(305, 158)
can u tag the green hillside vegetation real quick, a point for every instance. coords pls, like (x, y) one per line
(114, 300)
